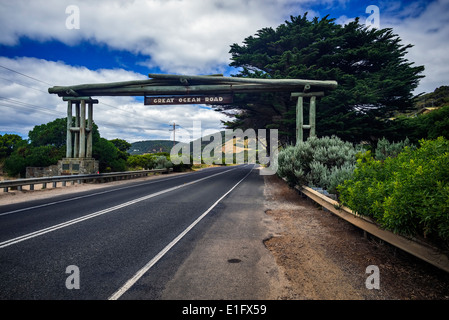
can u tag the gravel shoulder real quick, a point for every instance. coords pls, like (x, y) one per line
(325, 258)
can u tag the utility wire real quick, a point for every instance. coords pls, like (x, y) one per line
(20, 104)
(21, 84)
(25, 75)
(23, 105)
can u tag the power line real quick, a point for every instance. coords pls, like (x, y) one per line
(24, 105)
(17, 103)
(21, 84)
(22, 74)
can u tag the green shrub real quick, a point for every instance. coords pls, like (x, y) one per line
(318, 162)
(387, 149)
(408, 194)
(145, 161)
(161, 162)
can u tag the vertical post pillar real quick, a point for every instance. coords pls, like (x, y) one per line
(312, 116)
(300, 126)
(76, 148)
(82, 139)
(90, 129)
(299, 119)
(79, 137)
(69, 151)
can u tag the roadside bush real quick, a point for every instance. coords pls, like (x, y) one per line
(29, 156)
(161, 162)
(408, 194)
(149, 161)
(140, 162)
(318, 162)
(387, 149)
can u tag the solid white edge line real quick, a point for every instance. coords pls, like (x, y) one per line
(98, 213)
(156, 258)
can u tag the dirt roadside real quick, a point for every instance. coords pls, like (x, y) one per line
(325, 258)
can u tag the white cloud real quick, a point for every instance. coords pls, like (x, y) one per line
(178, 36)
(428, 30)
(25, 103)
(425, 25)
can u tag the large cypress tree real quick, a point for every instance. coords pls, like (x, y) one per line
(375, 79)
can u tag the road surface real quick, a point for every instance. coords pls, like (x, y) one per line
(141, 240)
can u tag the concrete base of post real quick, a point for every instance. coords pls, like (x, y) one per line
(72, 166)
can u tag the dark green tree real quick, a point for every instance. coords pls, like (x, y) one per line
(374, 77)
(47, 145)
(426, 126)
(49, 134)
(122, 147)
(7, 144)
(108, 156)
(121, 144)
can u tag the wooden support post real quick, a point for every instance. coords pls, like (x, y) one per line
(82, 139)
(69, 142)
(299, 113)
(90, 129)
(77, 135)
(299, 120)
(312, 116)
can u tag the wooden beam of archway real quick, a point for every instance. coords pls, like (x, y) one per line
(179, 84)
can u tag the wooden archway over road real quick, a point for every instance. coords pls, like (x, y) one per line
(165, 84)
(181, 89)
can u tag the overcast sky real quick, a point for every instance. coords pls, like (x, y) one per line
(43, 45)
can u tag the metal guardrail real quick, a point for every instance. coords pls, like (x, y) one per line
(81, 178)
(420, 250)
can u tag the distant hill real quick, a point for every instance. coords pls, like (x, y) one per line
(155, 146)
(436, 99)
(150, 146)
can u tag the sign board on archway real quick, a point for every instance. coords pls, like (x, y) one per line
(189, 99)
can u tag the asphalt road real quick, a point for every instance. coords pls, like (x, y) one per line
(133, 241)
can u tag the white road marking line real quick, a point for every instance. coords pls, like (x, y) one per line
(98, 213)
(156, 258)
